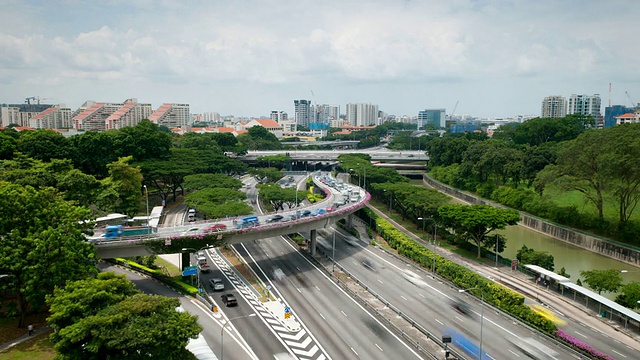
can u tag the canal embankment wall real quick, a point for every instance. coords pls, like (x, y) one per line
(594, 243)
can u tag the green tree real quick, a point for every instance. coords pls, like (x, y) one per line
(476, 221)
(93, 150)
(79, 187)
(621, 150)
(143, 141)
(563, 272)
(8, 146)
(629, 295)
(602, 280)
(277, 161)
(139, 327)
(529, 256)
(259, 138)
(447, 150)
(44, 145)
(45, 249)
(124, 186)
(266, 175)
(199, 141)
(581, 166)
(82, 298)
(203, 181)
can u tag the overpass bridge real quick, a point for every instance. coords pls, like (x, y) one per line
(378, 154)
(171, 240)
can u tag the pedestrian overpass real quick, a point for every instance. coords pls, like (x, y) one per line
(171, 240)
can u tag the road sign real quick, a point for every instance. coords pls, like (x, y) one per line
(287, 310)
(287, 315)
(167, 242)
(190, 270)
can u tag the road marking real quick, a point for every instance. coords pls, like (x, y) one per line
(296, 266)
(584, 336)
(617, 342)
(403, 298)
(379, 348)
(439, 322)
(422, 295)
(618, 353)
(343, 313)
(317, 288)
(514, 353)
(459, 319)
(299, 290)
(354, 352)
(322, 316)
(630, 347)
(380, 281)
(354, 263)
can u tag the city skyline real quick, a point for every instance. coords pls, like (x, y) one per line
(247, 58)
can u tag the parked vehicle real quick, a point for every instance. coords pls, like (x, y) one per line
(229, 300)
(275, 218)
(216, 284)
(305, 213)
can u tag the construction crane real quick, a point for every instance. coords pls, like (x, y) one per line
(454, 111)
(633, 104)
(43, 99)
(315, 104)
(28, 100)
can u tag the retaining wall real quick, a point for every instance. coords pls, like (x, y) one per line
(575, 237)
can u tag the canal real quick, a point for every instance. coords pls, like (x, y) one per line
(572, 258)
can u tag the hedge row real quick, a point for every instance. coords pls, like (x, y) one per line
(176, 284)
(497, 295)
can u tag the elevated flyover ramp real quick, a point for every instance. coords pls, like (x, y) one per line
(172, 239)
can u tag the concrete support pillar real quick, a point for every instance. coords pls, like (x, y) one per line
(312, 245)
(350, 221)
(184, 260)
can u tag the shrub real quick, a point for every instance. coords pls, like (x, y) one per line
(582, 346)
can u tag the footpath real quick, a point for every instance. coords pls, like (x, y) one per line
(525, 285)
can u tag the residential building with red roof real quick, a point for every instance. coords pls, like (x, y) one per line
(172, 115)
(269, 124)
(128, 115)
(93, 115)
(628, 118)
(55, 117)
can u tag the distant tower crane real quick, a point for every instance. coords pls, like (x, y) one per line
(28, 100)
(633, 104)
(454, 111)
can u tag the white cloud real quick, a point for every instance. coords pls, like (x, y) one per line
(251, 56)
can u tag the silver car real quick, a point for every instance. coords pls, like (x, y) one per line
(216, 284)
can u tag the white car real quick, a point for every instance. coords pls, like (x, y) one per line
(191, 231)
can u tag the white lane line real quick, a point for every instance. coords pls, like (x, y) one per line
(584, 336)
(354, 352)
(299, 290)
(630, 347)
(343, 313)
(422, 295)
(380, 281)
(459, 319)
(354, 263)
(514, 353)
(317, 288)
(618, 353)
(403, 298)
(617, 342)
(296, 266)
(379, 348)
(322, 316)
(439, 322)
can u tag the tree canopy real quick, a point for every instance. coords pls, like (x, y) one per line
(45, 249)
(474, 222)
(602, 280)
(530, 256)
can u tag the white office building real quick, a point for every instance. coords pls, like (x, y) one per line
(361, 114)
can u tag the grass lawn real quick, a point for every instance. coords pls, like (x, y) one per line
(37, 348)
(172, 269)
(568, 198)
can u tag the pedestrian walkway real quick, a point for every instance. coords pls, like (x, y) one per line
(25, 337)
(525, 285)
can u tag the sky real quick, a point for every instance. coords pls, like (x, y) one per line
(246, 58)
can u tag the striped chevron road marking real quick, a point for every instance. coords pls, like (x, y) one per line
(299, 343)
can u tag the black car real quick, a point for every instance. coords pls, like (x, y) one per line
(305, 213)
(275, 218)
(229, 300)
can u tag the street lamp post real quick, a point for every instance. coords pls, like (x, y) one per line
(435, 228)
(146, 192)
(497, 250)
(481, 313)
(222, 332)
(333, 257)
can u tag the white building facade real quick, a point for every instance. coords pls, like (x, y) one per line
(361, 114)
(554, 107)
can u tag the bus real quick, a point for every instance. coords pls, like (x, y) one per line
(248, 221)
(113, 231)
(111, 219)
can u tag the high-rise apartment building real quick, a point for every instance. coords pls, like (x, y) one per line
(435, 117)
(361, 114)
(130, 114)
(20, 114)
(302, 111)
(585, 105)
(211, 117)
(55, 117)
(279, 116)
(554, 107)
(172, 115)
(93, 115)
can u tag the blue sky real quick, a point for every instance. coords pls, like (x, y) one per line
(246, 58)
